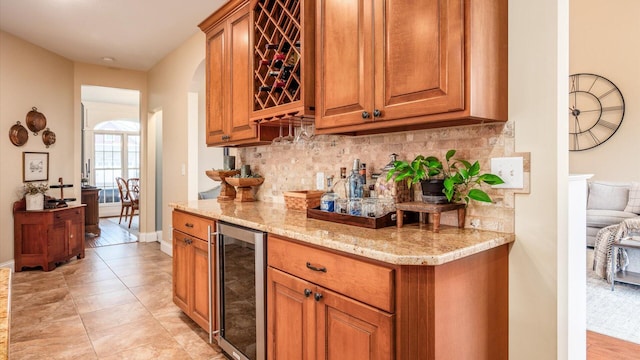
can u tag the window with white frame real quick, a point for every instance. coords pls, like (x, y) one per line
(116, 151)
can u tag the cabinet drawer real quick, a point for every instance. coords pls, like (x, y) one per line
(191, 224)
(370, 283)
(72, 214)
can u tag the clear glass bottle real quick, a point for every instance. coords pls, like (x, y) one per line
(356, 181)
(327, 200)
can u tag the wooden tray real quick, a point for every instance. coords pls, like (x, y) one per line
(361, 221)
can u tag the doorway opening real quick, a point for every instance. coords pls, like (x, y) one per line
(111, 147)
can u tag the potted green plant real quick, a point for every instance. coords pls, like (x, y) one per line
(456, 179)
(34, 195)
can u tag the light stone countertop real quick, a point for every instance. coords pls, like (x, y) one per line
(413, 244)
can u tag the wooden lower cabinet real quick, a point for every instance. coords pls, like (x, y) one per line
(47, 237)
(309, 322)
(457, 310)
(193, 268)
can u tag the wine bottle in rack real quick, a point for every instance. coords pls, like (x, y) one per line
(264, 88)
(285, 74)
(278, 86)
(278, 60)
(271, 46)
(265, 62)
(274, 73)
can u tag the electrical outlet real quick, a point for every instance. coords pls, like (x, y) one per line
(511, 170)
(320, 181)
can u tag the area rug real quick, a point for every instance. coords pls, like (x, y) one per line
(614, 313)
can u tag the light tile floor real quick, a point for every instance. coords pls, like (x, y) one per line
(116, 303)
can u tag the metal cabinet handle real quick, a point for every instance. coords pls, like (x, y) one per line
(307, 292)
(376, 113)
(365, 115)
(226, 137)
(189, 225)
(315, 268)
(318, 296)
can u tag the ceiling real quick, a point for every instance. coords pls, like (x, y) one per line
(135, 33)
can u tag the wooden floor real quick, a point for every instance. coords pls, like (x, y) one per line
(603, 347)
(112, 233)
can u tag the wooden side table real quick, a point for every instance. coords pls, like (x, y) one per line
(622, 275)
(436, 209)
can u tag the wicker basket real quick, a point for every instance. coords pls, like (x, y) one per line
(303, 199)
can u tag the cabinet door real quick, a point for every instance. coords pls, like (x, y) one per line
(76, 233)
(348, 329)
(344, 62)
(419, 54)
(240, 84)
(202, 264)
(290, 317)
(182, 263)
(216, 84)
(57, 246)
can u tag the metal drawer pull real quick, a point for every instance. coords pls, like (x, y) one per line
(314, 268)
(307, 292)
(187, 241)
(318, 296)
(189, 225)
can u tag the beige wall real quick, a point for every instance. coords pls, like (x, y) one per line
(605, 40)
(32, 76)
(170, 82)
(538, 68)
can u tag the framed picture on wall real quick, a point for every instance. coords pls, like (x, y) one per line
(35, 166)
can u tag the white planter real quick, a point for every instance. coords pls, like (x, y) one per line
(34, 202)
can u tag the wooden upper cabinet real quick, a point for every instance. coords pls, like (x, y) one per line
(215, 84)
(344, 71)
(228, 77)
(411, 65)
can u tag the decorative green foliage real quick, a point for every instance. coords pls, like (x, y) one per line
(461, 178)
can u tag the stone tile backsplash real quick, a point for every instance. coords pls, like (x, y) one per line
(294, 166)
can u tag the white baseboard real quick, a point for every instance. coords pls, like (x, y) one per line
(148, 237)
(166, 247)
(8, 264)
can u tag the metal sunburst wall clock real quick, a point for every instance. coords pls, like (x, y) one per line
(596, 110)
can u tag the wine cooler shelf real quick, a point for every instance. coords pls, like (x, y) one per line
(278, 50)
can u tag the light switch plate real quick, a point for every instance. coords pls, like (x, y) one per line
(511, 170)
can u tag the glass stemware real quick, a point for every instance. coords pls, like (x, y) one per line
(279, 138)
(289, 138)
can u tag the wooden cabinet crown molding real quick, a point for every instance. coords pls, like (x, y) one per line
(220, 14)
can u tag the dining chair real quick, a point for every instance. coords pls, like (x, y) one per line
(134, 196)
(125, 198)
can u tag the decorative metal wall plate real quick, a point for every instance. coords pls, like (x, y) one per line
(48, 137)
(18, 134)
(36, 121)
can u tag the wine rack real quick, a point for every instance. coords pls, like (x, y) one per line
(283, 45)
